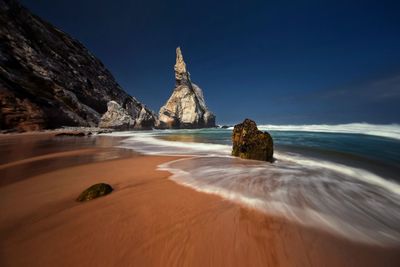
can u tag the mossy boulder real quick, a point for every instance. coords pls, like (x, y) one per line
(250, 143)
(95, 191)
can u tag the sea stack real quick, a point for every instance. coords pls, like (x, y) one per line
(250, 143)
(186, 107)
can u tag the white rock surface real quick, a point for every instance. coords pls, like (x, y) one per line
(186, 107)
(145, 119)
(116, 117)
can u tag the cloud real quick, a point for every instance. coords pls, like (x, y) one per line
(373, 90)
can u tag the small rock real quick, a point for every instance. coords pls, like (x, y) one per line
(95, 191)
(105, 131)
(71, 134)
(250, 143)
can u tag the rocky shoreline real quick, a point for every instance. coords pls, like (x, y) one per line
(49, 80)
(76, 131)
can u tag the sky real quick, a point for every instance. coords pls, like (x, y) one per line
(277, 62)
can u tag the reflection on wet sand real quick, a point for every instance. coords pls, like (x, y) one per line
(21, 158)
(183, 138)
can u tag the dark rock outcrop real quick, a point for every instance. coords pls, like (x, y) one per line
(95, 191)
(250, 143)
(75, 134)
(49, 80)
(79, 131)
(186, 107)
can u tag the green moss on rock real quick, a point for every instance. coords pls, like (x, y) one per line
(250, 143)
(95, 191)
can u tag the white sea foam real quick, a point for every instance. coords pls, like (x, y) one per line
(311, 195)
(360, 174)
(387, 130)
(147, 143)
(348, 201)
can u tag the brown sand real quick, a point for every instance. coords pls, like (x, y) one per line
(151, 221)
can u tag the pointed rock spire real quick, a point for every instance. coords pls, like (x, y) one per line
(186, 107)
(181, 74)
(180, 65)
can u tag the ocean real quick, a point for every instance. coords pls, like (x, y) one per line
(344, 179)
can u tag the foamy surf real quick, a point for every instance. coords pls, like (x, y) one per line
(364, 209)
(387, 130)
(347, 201)
(148, 143)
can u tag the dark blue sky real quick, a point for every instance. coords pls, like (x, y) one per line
(280, 62)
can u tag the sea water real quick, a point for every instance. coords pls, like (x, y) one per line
(343, 178)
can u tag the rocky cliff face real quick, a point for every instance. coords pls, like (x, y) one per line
(48, 79)
(186, 107)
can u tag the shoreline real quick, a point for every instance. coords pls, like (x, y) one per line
(149, 220)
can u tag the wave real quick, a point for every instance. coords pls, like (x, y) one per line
(388, 130)
(347, 201)
(148, 143)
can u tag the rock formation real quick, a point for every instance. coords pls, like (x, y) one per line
(95, 191)
(186, 107)
(48, 79)
(116, 117)
(250, 143)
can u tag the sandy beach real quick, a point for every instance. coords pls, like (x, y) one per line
(199, 133)
(148, 220)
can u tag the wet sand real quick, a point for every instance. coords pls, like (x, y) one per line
(147, 221)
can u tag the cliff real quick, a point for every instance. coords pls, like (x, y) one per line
(48, 79)
(186, 107)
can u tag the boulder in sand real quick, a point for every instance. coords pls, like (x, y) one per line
(95, 191)
(250, 143)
